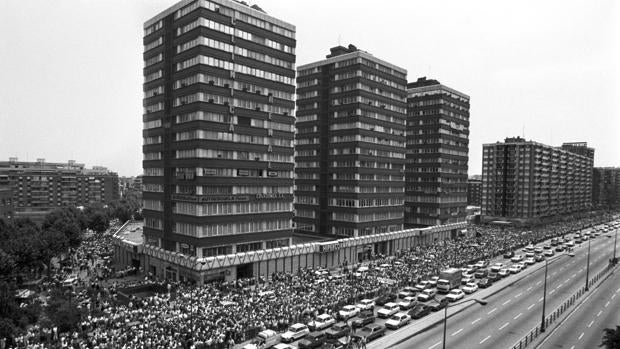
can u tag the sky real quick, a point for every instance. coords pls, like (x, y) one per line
(71, 80)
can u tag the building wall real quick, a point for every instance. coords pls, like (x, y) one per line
(528, 180)
(350, 144)
(218, 128)
(437, 154)
(474, 192)
(605, 187)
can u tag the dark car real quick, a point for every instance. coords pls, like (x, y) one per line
(438, 305)
(313, 340)
(484, 283)
(419, 311)
(332, 343)
(371, 332)
(386, 298)
(493, 277)
(539, 258)
(364, 318)
(338, 330)
(481, 273)
(509, 254)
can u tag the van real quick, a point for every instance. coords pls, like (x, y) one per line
(264, 339)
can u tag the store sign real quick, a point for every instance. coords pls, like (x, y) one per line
(329, 246)
(211, 198)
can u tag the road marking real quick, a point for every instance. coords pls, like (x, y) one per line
(531, 306)
(574, 275)
(516, 317)
(529, 288)
(478, 319)
(494, 309)
(606, 304)
(519, 295)
(573, 347)
(485, 339)
(566, 281)
(504, 325)
(434, 345)
(613, 296)
(457, 332)
(506, 302)
(590, 324)
(581, 335)
(618, 290)
(551, 291)
(599, 313)
(539, 282)
(540, 299)
(555, 272)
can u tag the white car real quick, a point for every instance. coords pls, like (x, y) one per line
(517, 258)
(467, 279)
(321, 322)
(455, 295)
(282, 346)
(470, 287)
(366, 304)
(433, 281)
(423, 285)
(497, 267)
(388, 310)
(480, 264)
(397, 321)
(549, 253)
(515, 268)
(504, 272)
(427, 295)
(348, 311)
(295, 332)
(408, 303)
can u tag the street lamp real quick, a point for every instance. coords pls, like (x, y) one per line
(615, 241)
(192, 293)
(588, 265)
(542, 322)
(445, 314)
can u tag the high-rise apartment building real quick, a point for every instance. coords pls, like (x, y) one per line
(219, 84)
(437, 154)
(528, 180)
(474, 192)
(350, 144)
(606, 187)
(39, 187)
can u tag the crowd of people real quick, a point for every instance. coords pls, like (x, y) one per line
(223, 314)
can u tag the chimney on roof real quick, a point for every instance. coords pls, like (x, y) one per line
(13, 159)
(341, 50)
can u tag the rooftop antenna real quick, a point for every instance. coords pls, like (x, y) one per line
(523, 131)
(339, 38)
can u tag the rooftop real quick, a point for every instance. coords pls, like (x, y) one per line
(131, 232)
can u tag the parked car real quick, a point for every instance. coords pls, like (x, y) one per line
(436, 305)
(407, 292)
(530, 260)
(427, 295)
(371, 332)
(408, 303)
(549, 253)
(423, 285)
(398, 320)
(466, 279)
(471, 287)
(312, 340)
(455, 295)
(492, 277)
(509, 254)
(539, 258)
(366, 304)
(516, 259)
(388, 310)
(264, 339)
(364, 318)
(481, 264)
(386, 298)
(295, 332)
(433, 281)
(283, 346)
(481, 273)
(321, 322)
(338, 330)
(420, 311)
(348, 311)
(496, 267)
(514, 269)
(484, 283)
(504, 272)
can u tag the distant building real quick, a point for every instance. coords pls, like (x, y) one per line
(6, 201)
(39, 187)
(474, 192)
(606, 187)
(350, 144)
(437, 154)
(526, 181)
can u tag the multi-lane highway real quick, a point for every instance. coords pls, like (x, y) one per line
(583, 327)
(513, 311)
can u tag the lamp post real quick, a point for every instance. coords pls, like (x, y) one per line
(542, 321)
(588, 265)
(445, 314)
(615, 241)
(193, 299)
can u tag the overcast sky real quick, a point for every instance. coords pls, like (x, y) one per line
(71, 80)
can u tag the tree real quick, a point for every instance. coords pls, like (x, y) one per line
(98, 221)
(611, 338)
(67, 220)
(63, 311)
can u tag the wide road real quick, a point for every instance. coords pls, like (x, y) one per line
(583, 328)
(512, 312)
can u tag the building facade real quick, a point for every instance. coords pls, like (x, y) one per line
(219, 84)
(606, 187)
(474, 192)
(437, 154)
(527, 181)
(39, 187)
(350, 144)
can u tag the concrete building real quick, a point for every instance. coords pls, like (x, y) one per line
(350, 144)
(219, 84)
(39, 187)
(606, 187)
(474, 192)
(437, 154)
(526, 181)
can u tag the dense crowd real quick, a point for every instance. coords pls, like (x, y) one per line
(220, 315)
